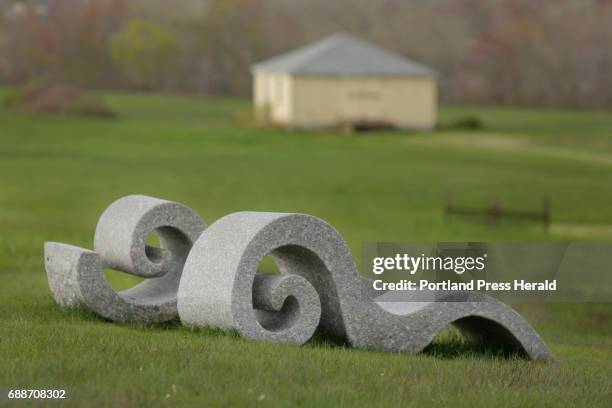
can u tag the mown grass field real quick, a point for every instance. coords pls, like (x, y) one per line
(58, 173)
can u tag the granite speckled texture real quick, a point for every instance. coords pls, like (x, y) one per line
(209, 277)
(75, 274)
(220, 287)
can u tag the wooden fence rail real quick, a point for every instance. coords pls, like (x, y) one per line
(496, 212)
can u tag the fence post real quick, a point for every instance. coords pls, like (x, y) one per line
(546, 212)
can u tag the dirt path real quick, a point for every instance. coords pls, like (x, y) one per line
(511, 144)
(582, 230)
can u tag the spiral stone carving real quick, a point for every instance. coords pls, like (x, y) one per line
(208, 277)
(75, 274)
(220, 287)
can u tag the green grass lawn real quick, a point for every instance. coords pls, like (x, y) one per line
(57, 174)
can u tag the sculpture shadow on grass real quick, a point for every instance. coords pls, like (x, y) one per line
(444, 346)
(452, 344)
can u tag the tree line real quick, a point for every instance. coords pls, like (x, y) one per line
(506, 52)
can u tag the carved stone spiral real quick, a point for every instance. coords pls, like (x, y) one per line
(209, 277)
(75, 274)
(220, 287)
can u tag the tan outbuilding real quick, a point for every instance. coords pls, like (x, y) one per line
(343, 81)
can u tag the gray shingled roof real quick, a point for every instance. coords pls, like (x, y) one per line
(342, 55)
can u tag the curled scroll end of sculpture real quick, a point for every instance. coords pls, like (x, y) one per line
(287, 308)
(221, 287)
(123, 228)
(76, 277)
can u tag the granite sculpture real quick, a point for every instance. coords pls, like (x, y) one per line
(76, 276)
(210, 278)
(220, 287)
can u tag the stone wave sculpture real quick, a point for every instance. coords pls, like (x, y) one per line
(76, 277)
(318, 287)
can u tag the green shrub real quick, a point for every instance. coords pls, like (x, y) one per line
(469, 122)
(51, 97)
